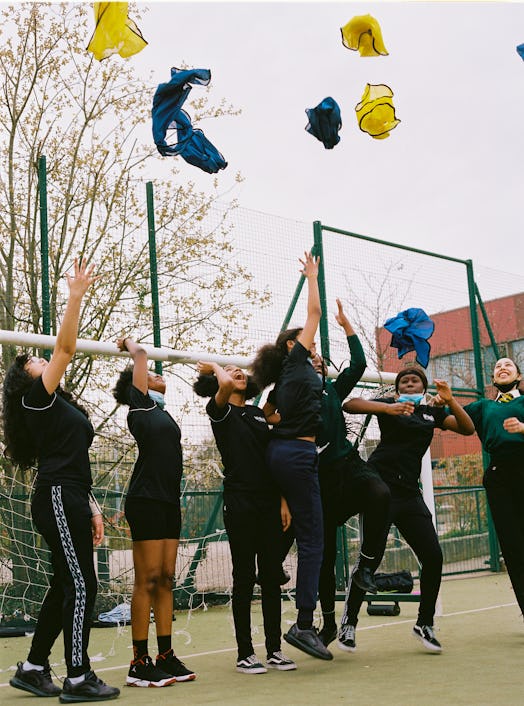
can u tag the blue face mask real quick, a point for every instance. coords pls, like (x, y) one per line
(157, 397)
(415, 398)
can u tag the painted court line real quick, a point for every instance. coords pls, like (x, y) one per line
(367, 627)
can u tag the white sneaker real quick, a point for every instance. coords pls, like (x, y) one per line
(278, 661)
(250, 665)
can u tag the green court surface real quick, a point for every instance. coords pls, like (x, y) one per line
(481, 631)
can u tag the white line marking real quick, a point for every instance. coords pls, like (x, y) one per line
(367, 627)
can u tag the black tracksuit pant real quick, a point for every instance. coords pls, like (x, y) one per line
(504, 484)
(253, 528)
(63, 517)
(413, 520)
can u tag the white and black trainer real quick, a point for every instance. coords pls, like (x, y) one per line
(279, 661)
(346, 638)
(250, 665)
(426, 635)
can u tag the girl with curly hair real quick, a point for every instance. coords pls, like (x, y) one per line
(43, 425)
(295, 403)
(254, 514)
(152, 510)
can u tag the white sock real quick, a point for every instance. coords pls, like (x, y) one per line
(27, 666)
(77, 680)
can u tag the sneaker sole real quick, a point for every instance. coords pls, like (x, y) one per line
(307, 649)
(256, 670)
(132, 681)
(345, 648)
(186, 677)
(71, 699)
(282, 667)
(19, 684)
(427, 645)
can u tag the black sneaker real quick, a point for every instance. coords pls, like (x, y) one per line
(426, 635)
(362, 576)
(328, 634)
(170, 664)
(250, 665)
(142, 672)
(90, 689)
(308, 641)
(277, 660)
(36, 681)
(346, 638)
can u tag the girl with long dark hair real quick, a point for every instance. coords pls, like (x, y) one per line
(292, 453)
(152, 510)
(43, 425)
(254, 513)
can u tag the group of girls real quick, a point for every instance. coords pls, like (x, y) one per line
(290, 473)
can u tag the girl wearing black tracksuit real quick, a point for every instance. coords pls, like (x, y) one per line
(43, 424)
(406, 430)
(254, 513)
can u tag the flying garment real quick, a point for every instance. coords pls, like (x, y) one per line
(520, 51)
(376, 112)
(410, 331)
(114, 33)
(167, 113)
(325, 122)
(363, 34)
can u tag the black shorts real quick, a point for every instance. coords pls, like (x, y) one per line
(152, 519)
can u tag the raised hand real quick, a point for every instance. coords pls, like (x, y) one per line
(83, 277)
(309, 265)
(444, 393)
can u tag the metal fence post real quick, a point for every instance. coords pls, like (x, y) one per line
(153, 272)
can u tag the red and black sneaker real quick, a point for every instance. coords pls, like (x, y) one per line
(170, 664)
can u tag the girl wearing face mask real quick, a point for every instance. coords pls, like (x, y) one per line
(406, 430)
(152, 510)
(500, 426)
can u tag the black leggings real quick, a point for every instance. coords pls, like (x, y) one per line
(413, 520)
(254, 532)
(504, 485)
(347, 487)
(63, 517)
(358, 489)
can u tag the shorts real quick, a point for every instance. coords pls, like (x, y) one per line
(152, 519)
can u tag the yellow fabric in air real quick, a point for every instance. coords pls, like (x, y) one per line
(375, 112)
(114, 33)
(362, 33)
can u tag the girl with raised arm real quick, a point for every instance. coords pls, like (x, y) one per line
(292, 453)
(406, 430)
(44, 425)
(152, 511)
(254, 513)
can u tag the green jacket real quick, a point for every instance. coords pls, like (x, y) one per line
(332, 441)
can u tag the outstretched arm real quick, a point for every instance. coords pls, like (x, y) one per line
(349, 377)
(65, 345)
(226, 384)
(360, 406)
(139, 356)
(314, 312)
(459, 420)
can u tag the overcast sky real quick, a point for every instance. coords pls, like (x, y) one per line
(450, 178)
